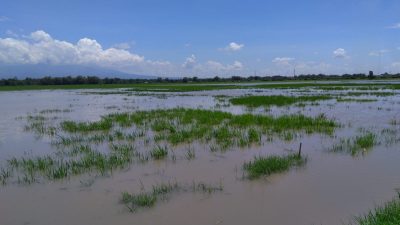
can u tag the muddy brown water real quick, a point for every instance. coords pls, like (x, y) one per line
(330, 189)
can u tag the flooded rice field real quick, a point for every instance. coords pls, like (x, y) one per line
(125, 157)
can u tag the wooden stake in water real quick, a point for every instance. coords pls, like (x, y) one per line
(300, 150)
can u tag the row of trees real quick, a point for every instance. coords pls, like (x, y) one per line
(96, 80)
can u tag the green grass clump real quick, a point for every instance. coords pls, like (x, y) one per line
(389, 214)
(159, 152)
(355, 100)
(367, 140)
(272, 164)
(379, 94)
(4, 175)
(148, 199)
(276, 100)
(85, 159)
(139, 200)
(356, 145)
(71, 126)
(161, 191)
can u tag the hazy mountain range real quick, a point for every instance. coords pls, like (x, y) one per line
(41, 70)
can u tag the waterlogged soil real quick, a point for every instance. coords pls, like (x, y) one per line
(330, 189)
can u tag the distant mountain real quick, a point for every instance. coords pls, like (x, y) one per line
(41, 70)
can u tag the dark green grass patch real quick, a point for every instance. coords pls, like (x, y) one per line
(276, 100)
(356, 145)
(264, 166)
(355, 100)
(379, 94)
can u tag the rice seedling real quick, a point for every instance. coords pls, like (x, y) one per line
(78, 140)
(388, 214)
(4, 175)
(367, 140)
(190, 154)
(148, 199)
(379, 94)
(71, 126)
(355, 100)
(264, 166)
(161, 191)
(206, 188)
(359, 144)
(83, 159)
(276, 100)
(159, 152)
(138, 201)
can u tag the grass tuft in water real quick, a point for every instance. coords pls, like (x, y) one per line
(261, 166)
(159, 152)
(276, 100)
(359, 144)
(161, 191)
(388, 214)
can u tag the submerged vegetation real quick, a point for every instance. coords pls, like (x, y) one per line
(356, 145)
(276, 100)
(264, 166)
(161, 191)
(79, 143)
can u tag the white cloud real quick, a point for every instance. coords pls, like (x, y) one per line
(378, 53)
(190, 62)
(210, 66)
(40, 47)
(395, 26)
(234, 47)
(11, 33)
(217, 66)
(123, 45)
(236, 65)
(4, 18)
(340, 53)
(282, 61)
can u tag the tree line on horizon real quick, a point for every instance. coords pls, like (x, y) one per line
(70, 80)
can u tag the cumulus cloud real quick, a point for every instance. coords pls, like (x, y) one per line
(209, 68)
(340, 53)
(394, 26)
(234, 47)
(190, 62)
(282, 61)
(40, 47)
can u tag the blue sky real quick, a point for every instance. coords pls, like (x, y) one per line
(204, 38)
